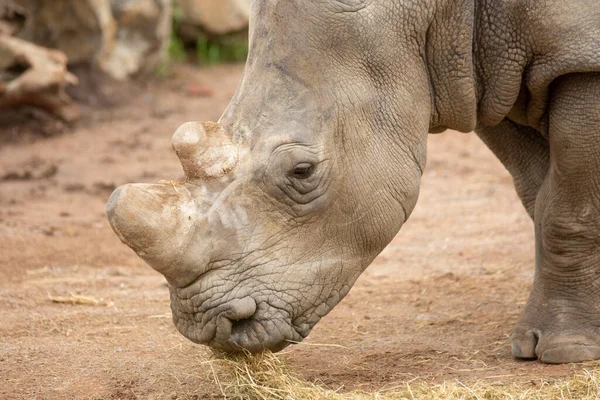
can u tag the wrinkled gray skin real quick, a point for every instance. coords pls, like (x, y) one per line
(315, 165)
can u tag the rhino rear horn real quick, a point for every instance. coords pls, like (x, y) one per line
(205, 150)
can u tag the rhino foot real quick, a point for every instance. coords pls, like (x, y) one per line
(561, 322)
(556, 339)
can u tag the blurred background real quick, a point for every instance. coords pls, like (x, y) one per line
(54, 54)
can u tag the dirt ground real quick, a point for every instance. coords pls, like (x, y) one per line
(437, 304)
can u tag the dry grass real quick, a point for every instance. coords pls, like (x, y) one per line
(78, 299)
(266, 376)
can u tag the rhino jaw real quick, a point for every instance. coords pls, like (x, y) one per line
(158, 222)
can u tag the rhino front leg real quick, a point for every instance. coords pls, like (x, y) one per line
(525, 154)
(561, 321)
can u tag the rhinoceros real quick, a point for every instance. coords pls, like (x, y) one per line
(316, 163)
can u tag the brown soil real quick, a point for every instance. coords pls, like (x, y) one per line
(437, 304)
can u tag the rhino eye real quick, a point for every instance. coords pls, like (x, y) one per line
(302, 171)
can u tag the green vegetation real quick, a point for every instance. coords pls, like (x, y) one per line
(207, 49)
(176, 49)
(222, 49)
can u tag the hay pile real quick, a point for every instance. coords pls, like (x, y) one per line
(266, 376)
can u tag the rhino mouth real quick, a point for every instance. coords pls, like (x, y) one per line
(252, 317)
(241, 325)
(256, 334)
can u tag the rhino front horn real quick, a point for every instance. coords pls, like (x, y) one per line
(158, 222)
(205, 150)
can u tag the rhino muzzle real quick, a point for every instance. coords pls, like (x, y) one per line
(239, 324)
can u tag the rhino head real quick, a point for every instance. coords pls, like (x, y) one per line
(307, 176)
